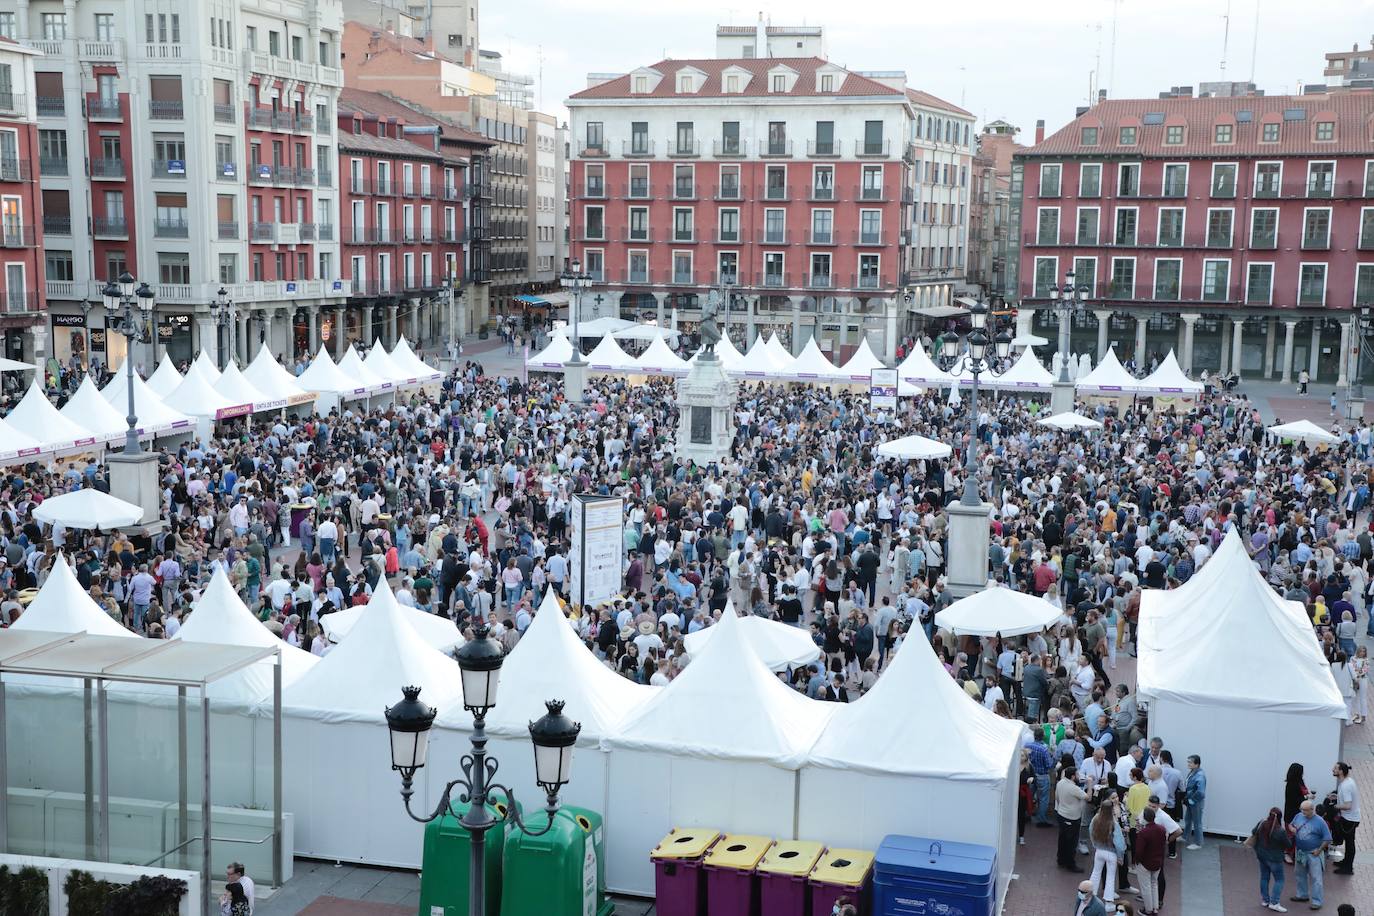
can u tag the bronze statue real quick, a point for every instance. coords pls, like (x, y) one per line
(709, 330)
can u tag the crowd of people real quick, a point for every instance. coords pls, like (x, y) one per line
(462, 499)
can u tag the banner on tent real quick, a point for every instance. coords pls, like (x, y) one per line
(882, 389)
(238, 410)
(595, 571)
(302, 398)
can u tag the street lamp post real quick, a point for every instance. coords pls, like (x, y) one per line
(1364, 323)
(553, 736)
(575, 369)
(133, 471)
(1066, 301)
(727, 290)
(966, 557)
(224, 314)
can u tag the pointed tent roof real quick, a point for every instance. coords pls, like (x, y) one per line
(997, 609)
(270, 377)
(778, 645)
(550, 661)
(63, 606)
(1304, 430)
(883, 732)
(781, 357)
(919, 369)
(35, 416)
(555, 353)
(607, 356)
(1169, 378)
(727, 705)
(728, 354)
(196, 395)
(1026, 374)
(760, 362)
(234, 386)
(165, 377)
(860, 366)
(1189, 653)
(659, 359)
(1109, 376)
(364, 379)
(13, 442)
(323, 375)
(206, 365)
(380, 362)
(153, 415)
(913, 448)
(220, 617)
(360, 677)
(1069, 420)
(407, 361)
(811, 363)
(89, 410)
(436, 631)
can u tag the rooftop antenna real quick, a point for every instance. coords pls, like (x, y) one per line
(540, 52)
(1225, 37)
(1111, 70)
(1254, 44)
(963, 85)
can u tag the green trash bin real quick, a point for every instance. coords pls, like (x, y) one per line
(562, 872)
(445, 868)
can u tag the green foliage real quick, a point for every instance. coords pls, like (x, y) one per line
(23, 893)
(145, 896)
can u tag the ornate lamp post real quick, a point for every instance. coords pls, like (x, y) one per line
(1066, 301)
(575, 369)
(967, 555)
(133, 472)
(1364, 324)
(553, 736)
(225, 315)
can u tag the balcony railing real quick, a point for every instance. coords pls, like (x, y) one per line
(682, 190)
(683, 237)
(820, 281)
(1218, 240)
(822, 193)
(228, 230)
(726, 149)
(51, 106)
(103, 109)
(224, 114)
(60, 289)
(260, 117)
(635, 276)
(110, 227)
(19, 302)
(14, 169)
(15, 235)
(262, 232)
(775, 237)
(637, 235)
(57, 225)
(634, 149)
(823, 149)
(775, 192)
(52, 165)
(10, 101)
(775, 149)
(324, 178)
(822, 237)
(726, 192)
(868, 281)
(683, 149)
(169, 168)
(879, 149)
(870, 238)
(593, 190)
(171, 229)
(880, 194)
(684, 278)
(108, 169)
(166, 111)
(727, 236)
(1316, 242)
(772, 279)
(325, 231)
(592, 151)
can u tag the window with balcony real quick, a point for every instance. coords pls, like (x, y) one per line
(825, 138)
(1364, 285)
(1046, 276)
(820, 271)
(684, 182)
(773, 269)
(822, 227)
(1366, 228)
(169, 156)
(1312, 284)
(1085, 274)
(596, 137)
(729, 182)
(58, 266)
(1216, 279)
(1128, 179)
(729, 225)
(596, 180)
(1126, 136)
(775, 226)
(777, 138)
(1259, 284)
(1088, 220)
(868, 271)
(775, 187)
(1168, 279)
(1224, 179)
(170, 220)
(1090, 179)
(57, 213)
(823, 182)
(165, 102)
(682, 267)
(727, 267)
(1171, 220)
(872, 182)
(1219, 228)
(1050, 174)
(683, 224)
(1176, 180)
(1123, 279)
(686, 138)
(1316, 227)
(594, 223)
(52, 152)
(1321, 179)
(638, 264)
(596, 265)
(639, 181)
(639, 138)
(870, 227)
(873, 138)
(1268, 179)
(54, 26)
(729, 138)
(1047, 226)
(1126, 218)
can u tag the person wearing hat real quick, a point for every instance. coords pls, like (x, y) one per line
(647, 639)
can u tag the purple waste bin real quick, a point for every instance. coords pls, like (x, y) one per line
(783, 890)
(298, 513)
(732, 888)
(840, 873)
(679, 885)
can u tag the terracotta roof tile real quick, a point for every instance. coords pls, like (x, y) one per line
(383, 146)
(385, 105)
(851, 86)
(1351, 111)
(930, 101)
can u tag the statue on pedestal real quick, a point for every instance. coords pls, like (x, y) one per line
(710, 331)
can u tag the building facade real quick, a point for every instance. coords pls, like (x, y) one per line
(1238, 231)
(22, 292)
(790, 179)
(990, 229)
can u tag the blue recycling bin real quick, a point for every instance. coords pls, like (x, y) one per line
(915, 876)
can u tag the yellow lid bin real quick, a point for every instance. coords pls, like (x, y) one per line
(732, 888)
(679, 881)
(841, 873)
(793, 858)
(782, 877)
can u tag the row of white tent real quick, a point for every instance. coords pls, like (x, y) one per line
(768, 359)
(169, 403)
(726, 743)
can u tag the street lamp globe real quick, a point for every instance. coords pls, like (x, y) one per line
(126, 284)
(949, 346)
(409, 722)
(1003, 344)
(479, 660)
(110, 294)
(978, 344)
(145, 296)
(554, 736)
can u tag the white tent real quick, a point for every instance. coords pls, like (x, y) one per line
(234, 386)
(220, 617)
(380, 362)
(645, 332)
(154, 416)
(322, 375)
(334, 715)
(780, 354)
(87, 409)
(860, 366)
(659, 359)
(727, 723)
(778, 645)
(912, 448)
(88, 508)
(196, 395)
(604, 326)
(729, 355)
(165, 377)
(1233, 673)
(274, 381)
(919, 369)
(14, 365)
(205, 363)
(14, 444)
(1109, 377)
(608, 357)
(63, 606)
(1026, 374)
(364, 379)
(761, 361)
(879, 760)
(436, 631)
(997, 610)
(1069, 420)
(407, 361)
(1169, 378)
(812, 365)
(35, 416)
(1303, 431)
(557, 352)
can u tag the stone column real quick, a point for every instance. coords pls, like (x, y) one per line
(245, 341)
(1225, 348)
(1141, 360)
(796, 323)
(1104, 318)
(286, 332)
(1065, 332)
(1237, 343)
(890, 331)
(1290, 329)
(340, 332)
(1343, 364)
(1315, 351)
(391, 312)
(312, 327)
(660, 301)
(209, 339)
(1186, 357)
(751, 317)
(1271, 333)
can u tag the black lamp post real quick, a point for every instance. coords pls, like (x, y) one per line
(224, 314)
(553, 735)
(575, 369)
(1067, 300)
(975, 361)
(127, 311)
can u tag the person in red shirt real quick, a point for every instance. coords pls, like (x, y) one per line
(1150, 844)
(1042, 578)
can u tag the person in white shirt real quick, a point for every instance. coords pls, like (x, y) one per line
(235, 873)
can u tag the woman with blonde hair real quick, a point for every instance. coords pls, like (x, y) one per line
(1103, 833)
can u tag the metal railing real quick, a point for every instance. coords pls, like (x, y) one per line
(16, 235)
(324, 178)
(593, 191)
(166, 111)
(679, 149)
(822, 148)
(171, 229)
(684, 278)
(822, 193)
(10, 101)
(637, 235)
(880, 149)
(325, 231)
(108, 168)
(775, 149)
(228, 229)
(13, 169)
(632, 149)
(1316, 242)
(18, 301)
(726, 192)
(110, 226)
(98, 109)
(224, 114)
(682, 190)
(725, 149)
(880, 194)
(52, 165)
(262, 232)
(51, 106)
(775, 192)
(775, 237)
(822, 236)
(57, 225)
(869, 238)
(164, 168)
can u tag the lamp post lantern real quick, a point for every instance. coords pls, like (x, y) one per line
(553, 736)
(575, 369)
(1364, 324)
(1066, 301)
(967, 557)
(133, 471)
(225, 315)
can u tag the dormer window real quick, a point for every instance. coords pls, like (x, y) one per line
(1223, 133)
(732, 83)
(684, 83)
(641, 84)
(1269, 133)
(1326, 130)
(827, 82)
(1173, 135)
(779, 83)
(1088, 136)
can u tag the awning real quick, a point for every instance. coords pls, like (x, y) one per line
(942, 311)
(543, 301)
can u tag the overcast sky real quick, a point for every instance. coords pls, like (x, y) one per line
(1013, 59)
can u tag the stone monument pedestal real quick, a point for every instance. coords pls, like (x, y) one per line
(134, 479)
(575, 379)
(966, 556)
(1061, 398)
(706, 412)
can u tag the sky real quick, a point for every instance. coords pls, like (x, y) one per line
(1016, 60)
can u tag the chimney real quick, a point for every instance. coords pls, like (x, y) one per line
(761, 38)
(1040, 131)
(1101, 96)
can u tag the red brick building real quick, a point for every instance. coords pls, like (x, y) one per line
(1238, 231)
(21, 213)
